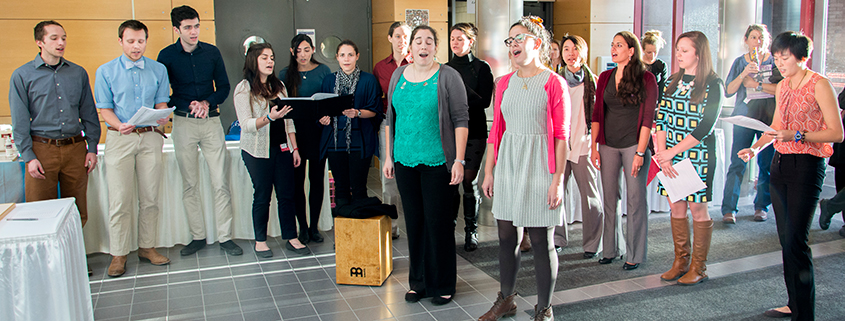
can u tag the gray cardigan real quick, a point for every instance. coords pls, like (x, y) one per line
(451, 106)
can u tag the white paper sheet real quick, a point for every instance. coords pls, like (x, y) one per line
(748, 122)
(684, 184)
(147, 116)
(317, 96)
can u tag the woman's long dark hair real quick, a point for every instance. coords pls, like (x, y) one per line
(703, 71)
(631, 90)
(259, 90)
(292, 78)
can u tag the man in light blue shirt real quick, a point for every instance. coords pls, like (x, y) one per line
(132, 154)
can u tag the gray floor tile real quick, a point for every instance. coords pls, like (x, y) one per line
(184, 290)
(184, 302)
(373, 313)
(221, 307)
(183, 277)
(283, 301)
(364, 302)
(225, 317)
(342, 316)
(258, 304)
(216, 286)
(268, 315)
(158, 315)
(215, 273)
(301, 263)
(431, 307)
(149, 307)
(329, 307)
(327, 295)
(182, 313)
(254, 293)
(469, 298)
(151, 294)
(287, 289)
(250, 282)
(276, 266)
(112, 312)
(246, 270)
(297, 311)
(405, 308)
(454, 314)
(392, 297)
(312, 275)
(117, 284)
(114, 299)
(318, 285)
(280, 278)
(416, 317)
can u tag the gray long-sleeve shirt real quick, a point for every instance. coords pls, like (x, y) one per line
(52, 103)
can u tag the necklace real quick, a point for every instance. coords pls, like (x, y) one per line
(686, 87)
(304, 74)
(800, 81)
(525, 80)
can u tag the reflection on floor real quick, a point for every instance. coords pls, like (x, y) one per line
(210, 285)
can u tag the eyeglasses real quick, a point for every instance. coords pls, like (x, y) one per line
(520, 38)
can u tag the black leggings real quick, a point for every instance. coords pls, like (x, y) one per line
(545, 259)
(316, 168)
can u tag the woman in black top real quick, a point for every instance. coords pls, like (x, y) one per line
(478, 80)
(652, 43)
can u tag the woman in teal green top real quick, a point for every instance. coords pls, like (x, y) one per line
(427, 118)
(303, 77)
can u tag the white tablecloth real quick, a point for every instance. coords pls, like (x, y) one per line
(172, 222)
(43, 270)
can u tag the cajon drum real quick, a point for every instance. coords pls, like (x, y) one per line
(363, 250)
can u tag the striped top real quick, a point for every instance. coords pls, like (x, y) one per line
(800, 111)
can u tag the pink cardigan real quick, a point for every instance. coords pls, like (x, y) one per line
(557, 110)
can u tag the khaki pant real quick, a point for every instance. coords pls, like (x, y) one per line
(207, 134)
(133, 168)
(64, 166)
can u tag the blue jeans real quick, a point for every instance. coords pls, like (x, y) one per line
(742, 138)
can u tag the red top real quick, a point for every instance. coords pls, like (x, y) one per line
(799, 111)
(383, 70)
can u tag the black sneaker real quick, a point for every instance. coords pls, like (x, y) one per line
(231, 248)
(315, 235)
(192, 247)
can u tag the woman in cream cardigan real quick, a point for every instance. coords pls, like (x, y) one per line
(268, 147)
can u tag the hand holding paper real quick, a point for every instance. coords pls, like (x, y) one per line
(684, 183)
(149, 117)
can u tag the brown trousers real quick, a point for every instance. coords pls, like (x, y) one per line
(64, 166)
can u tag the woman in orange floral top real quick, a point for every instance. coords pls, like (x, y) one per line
(806, 122)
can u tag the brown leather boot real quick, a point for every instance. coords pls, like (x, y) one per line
(680, 234)
(503, 306)
(117, 266)
(543, 315)
(151, 255)
(702, 232)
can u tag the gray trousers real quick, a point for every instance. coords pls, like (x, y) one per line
(591, 214)
(612, 159)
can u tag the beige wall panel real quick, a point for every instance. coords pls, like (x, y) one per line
(208, 32)
(600, 37)
(204, 7)
(66, 9)
(572, 11)
(161, 35)
(17, 47)
(152, 10)
(612, 11)
(381, 47)
(580, 29)
(6, 120)
(443, 39)
(383, 11)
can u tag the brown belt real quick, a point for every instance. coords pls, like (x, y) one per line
(142, 130)
(59, 142)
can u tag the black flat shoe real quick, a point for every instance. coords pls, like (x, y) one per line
(413, 297)
(776, 314)
(264, 254)
(589, 255)
(439, 300)
(605, 260)
(302, 251)
(629, 267)
(315, 236)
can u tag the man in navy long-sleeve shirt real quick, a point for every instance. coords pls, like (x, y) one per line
(199, 82)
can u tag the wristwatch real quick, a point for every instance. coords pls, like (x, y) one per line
(359, 113)
(640, 154)
(760, 87)
(463, 162)
(798, 136)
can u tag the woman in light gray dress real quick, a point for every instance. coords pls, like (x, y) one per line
(527, 160)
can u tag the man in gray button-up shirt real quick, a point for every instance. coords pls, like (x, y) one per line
(52, 105)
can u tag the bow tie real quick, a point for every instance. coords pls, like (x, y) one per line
(129, 64)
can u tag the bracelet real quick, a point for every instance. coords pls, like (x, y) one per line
(640, 154)
(803, 136)
(296, 148)
(268, 117)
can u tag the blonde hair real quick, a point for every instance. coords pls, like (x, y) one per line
(654, 38)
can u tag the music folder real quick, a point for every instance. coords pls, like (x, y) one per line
(315, 107)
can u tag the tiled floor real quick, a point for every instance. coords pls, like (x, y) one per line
(210, 285)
